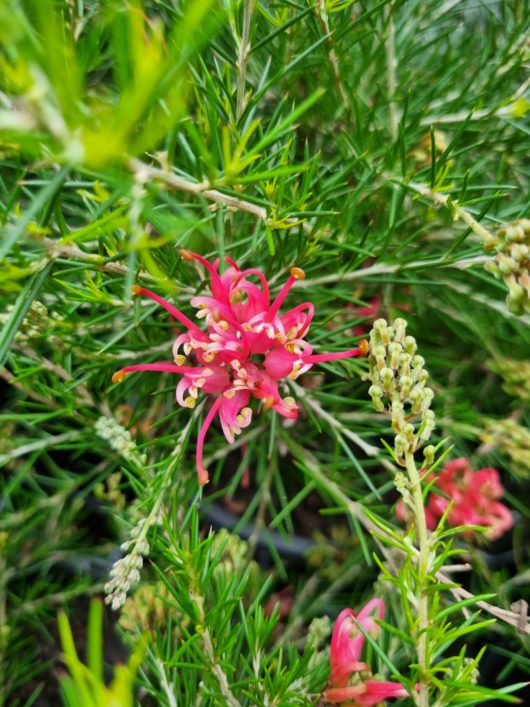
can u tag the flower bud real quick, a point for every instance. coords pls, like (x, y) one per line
(401, 445)
(394, 350)
(428, 454)
(381, 328)
(405, 384)
(426, 398)
(387, 378)
(410, 345)
(400, 326)
(428, 426)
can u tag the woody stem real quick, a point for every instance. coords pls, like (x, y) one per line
(422, 582)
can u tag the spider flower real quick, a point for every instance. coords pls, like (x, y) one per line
(475, 499)
(350, 679)
(244, 350)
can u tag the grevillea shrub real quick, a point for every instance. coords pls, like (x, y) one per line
(264, 353)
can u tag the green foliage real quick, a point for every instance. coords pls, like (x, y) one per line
(380, 146)
(85, 686)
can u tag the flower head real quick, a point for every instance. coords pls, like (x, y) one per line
(350, 679)
(474, 496)
(245, 350)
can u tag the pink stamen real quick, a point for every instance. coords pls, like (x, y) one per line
(232, 263)
(202, 473)
(296, 274)
(322, 358)
(260, 275)
(163, 367)
(217, 286)
(168, 307)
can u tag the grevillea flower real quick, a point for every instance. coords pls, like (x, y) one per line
(245, 350)
(350, 679)
(474, 496)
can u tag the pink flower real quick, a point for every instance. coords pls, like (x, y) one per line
(244, 352)
(369, 692)
(350, 679)
(474, 496)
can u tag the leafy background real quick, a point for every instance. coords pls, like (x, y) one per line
(357, 140)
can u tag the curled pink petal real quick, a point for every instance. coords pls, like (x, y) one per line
(202, 473)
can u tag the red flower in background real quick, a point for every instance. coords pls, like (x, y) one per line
(350, 679)
(246, 349)
(474, 496)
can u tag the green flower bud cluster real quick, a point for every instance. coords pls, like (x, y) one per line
(120, 440)
(125, 572)
(35, 324)
(399, 386)
(515, 374)
(512, 439)
(110, 492)
(149, 609)
(512, 263)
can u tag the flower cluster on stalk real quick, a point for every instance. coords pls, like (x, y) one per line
(474, 498)
(351, 680)
(512, 263)
(399, 386)
(245, 351)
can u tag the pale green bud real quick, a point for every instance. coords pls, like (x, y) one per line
(405, 384)
(410, 345)
(394, 350)
(400, 326)
(387, 379)
(428, 454)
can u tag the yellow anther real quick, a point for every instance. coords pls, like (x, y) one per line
(268, 402)
(180, 360)
(189, 402)
(290, 402)
(209, 357)
(223, 324)
(200, 382)
(236, 297)
(118, 376)
(297, 273)
(229, 393)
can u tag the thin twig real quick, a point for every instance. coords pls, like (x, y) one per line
(56, 249)
(147, 173)
(455, 208)
(387, 269)
(369, 449)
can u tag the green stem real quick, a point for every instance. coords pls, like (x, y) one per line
(242, 59)
(423, 571)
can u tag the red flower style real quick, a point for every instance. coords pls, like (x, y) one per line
(350, 679)
(247, 348)
(474, 495)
